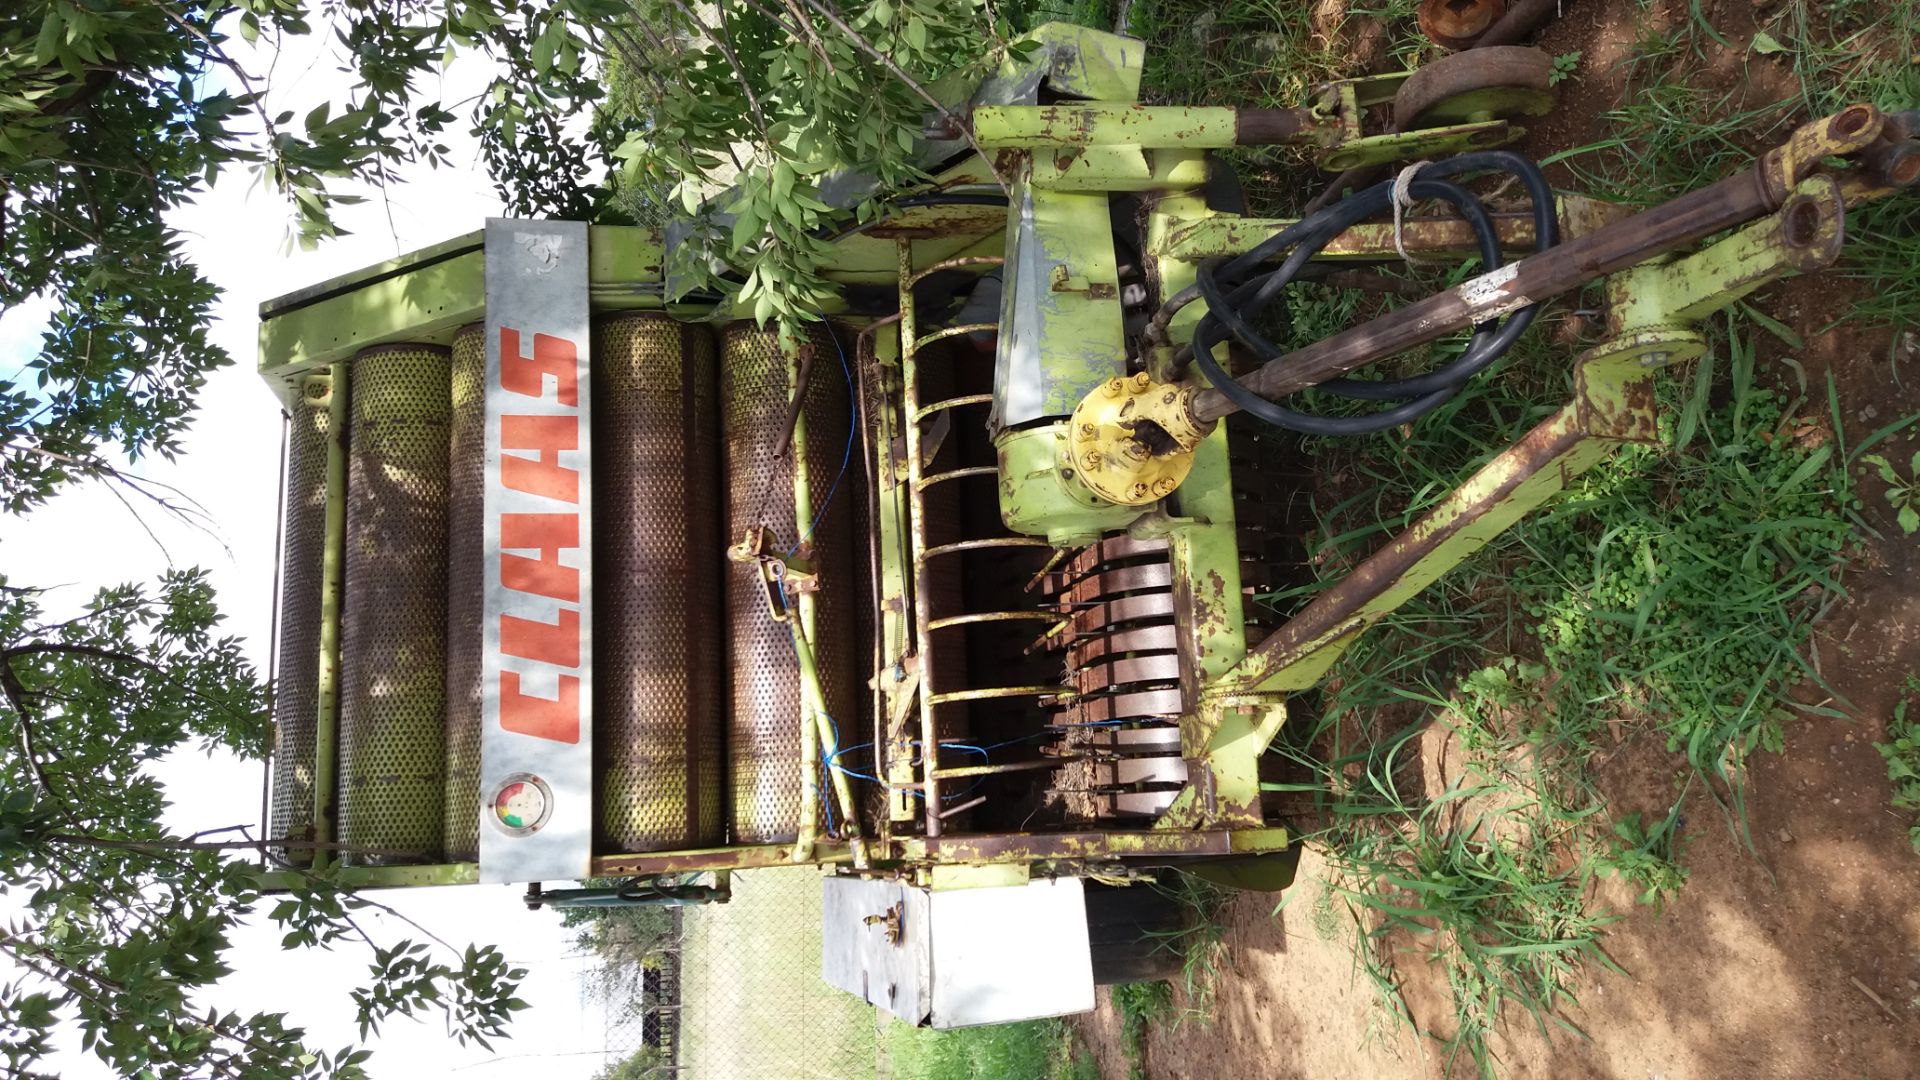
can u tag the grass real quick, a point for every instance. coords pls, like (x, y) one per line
(1671, 592)
(1902, 754)
(1679, 125)
(1141, 1005)
(1267, 53)
(1201, 945)
(1031, 1050)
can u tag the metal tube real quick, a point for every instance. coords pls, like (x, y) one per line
(326, 740)
(273, 630)
(959, 771)
(1520, 20)
(801, 623)
(1734, 201)
(917, 539)
(865, 348)
(1107, 124)
(1738, 199)
(837, 779)
(957, 808)
(809, 821)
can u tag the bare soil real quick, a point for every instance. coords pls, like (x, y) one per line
(1798, 955)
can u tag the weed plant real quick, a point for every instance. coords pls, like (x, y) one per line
(1669, 594)
(1671, 591)
(1902, 754)
(1030, 1050)
(1141, 1006)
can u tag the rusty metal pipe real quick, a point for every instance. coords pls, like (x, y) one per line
(1519, 22)
(1271, 127)
(1734, 201)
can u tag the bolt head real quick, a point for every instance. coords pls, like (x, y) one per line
(1139, 491)
(1088, 430)
(1164, 486)
(1142, 381)
(1170, 398)
(1114, 388)
(1091, 460)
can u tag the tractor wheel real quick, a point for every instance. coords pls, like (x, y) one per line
(1500, 82)
(1134, 932)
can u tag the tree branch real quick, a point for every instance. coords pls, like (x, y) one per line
(73, 648)
(219, 56)
(959, 123)
(721, 39)
(16, 695)
(151, 847)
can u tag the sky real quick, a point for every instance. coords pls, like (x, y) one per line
(86, 539)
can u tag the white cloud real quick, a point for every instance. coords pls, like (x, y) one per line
(230, 465)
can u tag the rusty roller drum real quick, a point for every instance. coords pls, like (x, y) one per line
(466, 462)
(763, 725)
(296, 683)
(658, 555)
(393, 632)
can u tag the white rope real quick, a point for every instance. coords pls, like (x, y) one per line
(1402, 202)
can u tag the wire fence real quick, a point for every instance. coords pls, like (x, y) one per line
(641, 998)
(753, 1004)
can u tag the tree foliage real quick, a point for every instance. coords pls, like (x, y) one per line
(113, 113)
(125, 925)
(771, 96)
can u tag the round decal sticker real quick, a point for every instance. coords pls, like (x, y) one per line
(522, 805)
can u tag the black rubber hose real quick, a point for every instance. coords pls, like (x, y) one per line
(1238, 288)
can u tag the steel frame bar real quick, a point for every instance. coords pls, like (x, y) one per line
(1666, 228)
(1653, 311)
(333, 567)
(1101, 844)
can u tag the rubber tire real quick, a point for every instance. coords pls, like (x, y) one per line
(1132, 931)
(1521, 67)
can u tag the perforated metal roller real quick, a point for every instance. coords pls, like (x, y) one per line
(393, 656)
(297, 676)
(658, 559)
(763, 729)
(465, 518)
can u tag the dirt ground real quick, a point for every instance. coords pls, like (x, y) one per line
(1800, 957)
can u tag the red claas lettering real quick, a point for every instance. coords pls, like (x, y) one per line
(543, 475)
(553, 356)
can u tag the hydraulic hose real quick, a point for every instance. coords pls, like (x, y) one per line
(1236, 289)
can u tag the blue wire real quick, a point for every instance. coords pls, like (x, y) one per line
(845, 457)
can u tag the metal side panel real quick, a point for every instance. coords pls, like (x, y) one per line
(856, 956)
(536, 685)
(1059, 307)
(1010, 953)
(964, 956)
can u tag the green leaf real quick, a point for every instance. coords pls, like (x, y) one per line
(1766, 44)
(1909, 519)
